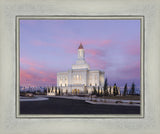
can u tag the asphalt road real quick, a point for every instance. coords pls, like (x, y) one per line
(69, 106)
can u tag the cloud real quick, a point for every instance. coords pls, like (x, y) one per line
(37, 43)
(126, 74)
(42, 43)
(95, 52)
(31, 63)
(36, 73)
(105, 43)
(71, 46)
(96, 42)
(70, 50)
(131, 71)
(34, 77)
(133, 48)
(96, 63)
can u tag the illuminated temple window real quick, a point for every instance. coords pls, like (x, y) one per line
(77, 77)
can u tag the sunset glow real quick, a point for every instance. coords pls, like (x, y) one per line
(50, 46)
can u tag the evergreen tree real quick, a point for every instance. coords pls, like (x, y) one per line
(29, 89)
(59, 91)
(101, 91)
(56, 90)
(94, 90)
(98, 90)
(133, 88)
(114, 89)
(106, 92)
(105, 87)
(24, 89)
(45, 91)
(110, 90)
(125, 90)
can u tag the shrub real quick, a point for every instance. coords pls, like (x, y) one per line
(118, 102)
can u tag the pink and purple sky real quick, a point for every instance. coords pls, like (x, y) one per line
(50, 46)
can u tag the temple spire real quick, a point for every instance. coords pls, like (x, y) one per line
(80, 46)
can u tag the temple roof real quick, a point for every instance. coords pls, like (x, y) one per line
(80, 46)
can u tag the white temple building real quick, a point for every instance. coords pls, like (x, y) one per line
(80, 79)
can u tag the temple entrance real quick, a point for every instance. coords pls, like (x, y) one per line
(75, 91)
(66, 91)
(85, 90)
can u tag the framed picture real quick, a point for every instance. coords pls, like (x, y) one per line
(106, 79)
(79, 67)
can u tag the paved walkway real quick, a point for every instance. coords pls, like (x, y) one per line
(112, 103)
(102, 101)
(87, 99)
(33, 99)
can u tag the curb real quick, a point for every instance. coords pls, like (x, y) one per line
(118, 104)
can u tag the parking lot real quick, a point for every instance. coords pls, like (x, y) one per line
(70, 106)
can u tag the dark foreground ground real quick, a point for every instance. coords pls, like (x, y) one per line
(68, 106)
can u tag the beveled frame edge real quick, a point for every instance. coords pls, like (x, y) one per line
(84, 17)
